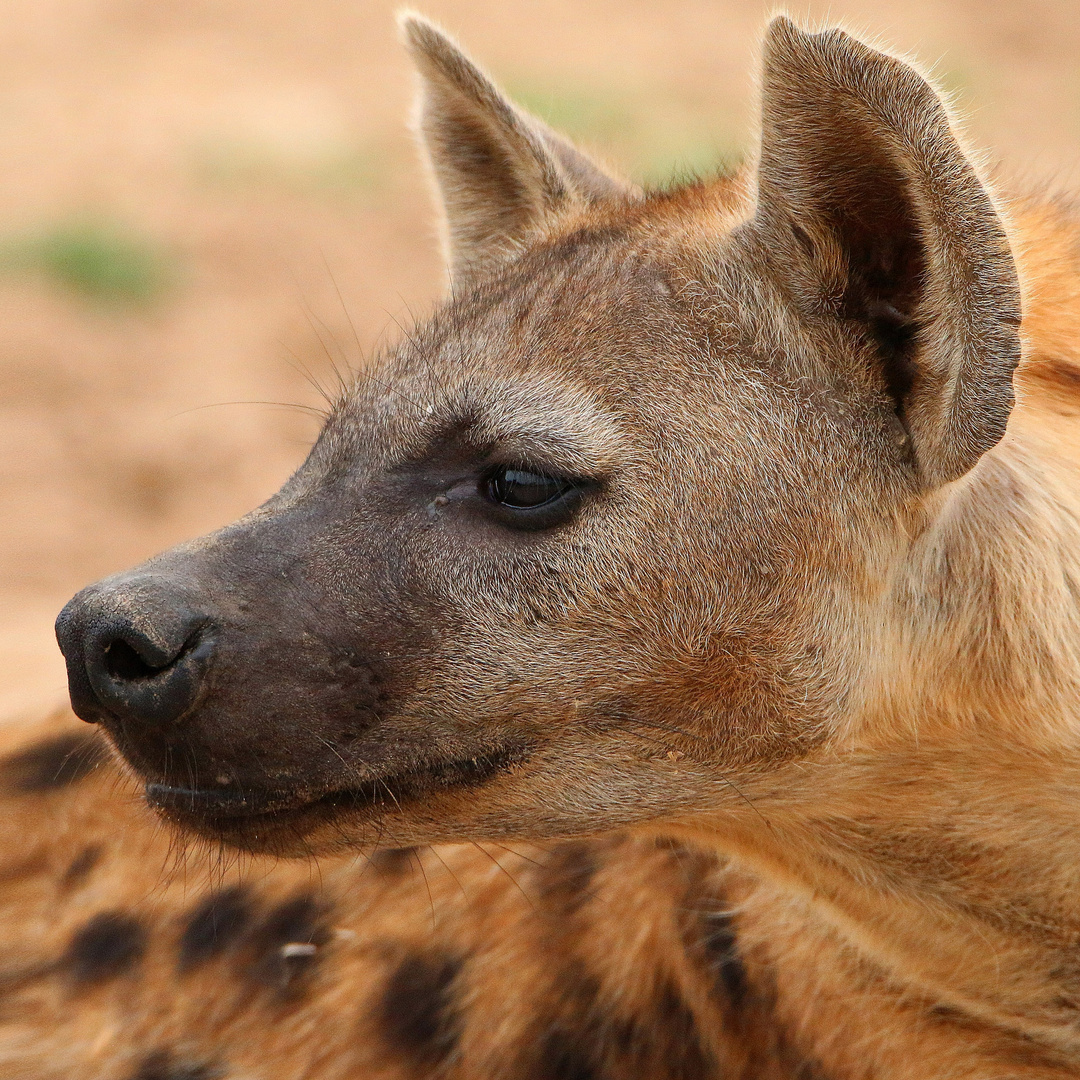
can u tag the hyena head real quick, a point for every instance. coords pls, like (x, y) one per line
(612, 525)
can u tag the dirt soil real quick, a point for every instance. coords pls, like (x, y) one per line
(204, 204)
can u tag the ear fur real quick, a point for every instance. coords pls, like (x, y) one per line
(500, 172)
(877, 218)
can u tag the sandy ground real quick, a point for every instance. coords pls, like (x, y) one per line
(252, 159)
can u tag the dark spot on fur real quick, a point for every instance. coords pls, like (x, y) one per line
(722, 953)
(53, 763)
(946, 1012)
(709, 928)
(287, 943)
(663, 1040)
(81, 865)
(162, 1065)
(569, 1041)
(565, 879)
(582, 1036)
(215, 924)
(393, 860)
(419, 1016)
(297, 919)
(560, 1058)
(672, 1024)
(107, 946)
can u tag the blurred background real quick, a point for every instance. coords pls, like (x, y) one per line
(207, 205)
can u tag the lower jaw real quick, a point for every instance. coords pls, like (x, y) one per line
(289, 821)
(282, 832)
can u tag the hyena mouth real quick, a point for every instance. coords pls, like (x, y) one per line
(252, 818)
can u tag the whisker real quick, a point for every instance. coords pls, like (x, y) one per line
(311, 410)
(413, 853)
(517, 884)
(446, 866)
(344, 306)
(516, 854)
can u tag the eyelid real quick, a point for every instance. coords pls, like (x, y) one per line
(502, 457)
(505, 483)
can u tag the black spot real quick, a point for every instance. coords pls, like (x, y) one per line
(562, 1058)
(420, 1019)
(582, 1036)
(573, 1034)
(722, 954)
(81, 865)
(680, 1049)
(565, 879)
(53, 763)
(216, 923)
(298, 919)
(162, 1065)
(287, 944)
(108, 945)
(393, 861)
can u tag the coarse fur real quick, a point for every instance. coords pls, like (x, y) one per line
(782, 697)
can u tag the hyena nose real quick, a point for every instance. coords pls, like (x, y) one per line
(137, 651)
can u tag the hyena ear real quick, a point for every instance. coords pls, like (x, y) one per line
(500, 172)
(876, 217)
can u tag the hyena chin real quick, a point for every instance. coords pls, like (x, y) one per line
(705, 512)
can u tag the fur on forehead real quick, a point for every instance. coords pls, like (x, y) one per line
(533, 415)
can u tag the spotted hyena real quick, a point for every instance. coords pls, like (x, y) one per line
(693, 561)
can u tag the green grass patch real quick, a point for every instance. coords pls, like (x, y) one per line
(100, 261)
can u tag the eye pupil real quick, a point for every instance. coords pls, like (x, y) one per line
(521, 489)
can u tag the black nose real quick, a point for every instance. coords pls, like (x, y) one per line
(137, 650)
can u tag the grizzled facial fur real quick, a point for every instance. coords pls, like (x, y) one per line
(609, 528)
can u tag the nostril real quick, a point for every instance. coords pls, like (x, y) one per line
(142, 680)
(137, 652)
(122, 662)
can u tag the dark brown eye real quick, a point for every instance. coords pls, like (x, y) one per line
(519, 489)
(522, 499)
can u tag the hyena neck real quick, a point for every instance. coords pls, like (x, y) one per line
(971, 848)
(948, 811)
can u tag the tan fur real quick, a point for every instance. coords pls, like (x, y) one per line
(852, 760)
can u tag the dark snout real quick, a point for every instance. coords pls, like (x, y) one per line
(138, 648)
(252, 683)
(223, 672)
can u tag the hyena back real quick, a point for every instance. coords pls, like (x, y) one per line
(696, 539)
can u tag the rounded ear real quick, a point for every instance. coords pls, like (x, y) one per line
(877, 217)
(500, 172)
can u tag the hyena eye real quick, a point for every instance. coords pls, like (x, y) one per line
(530, 500)
(523, 490)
